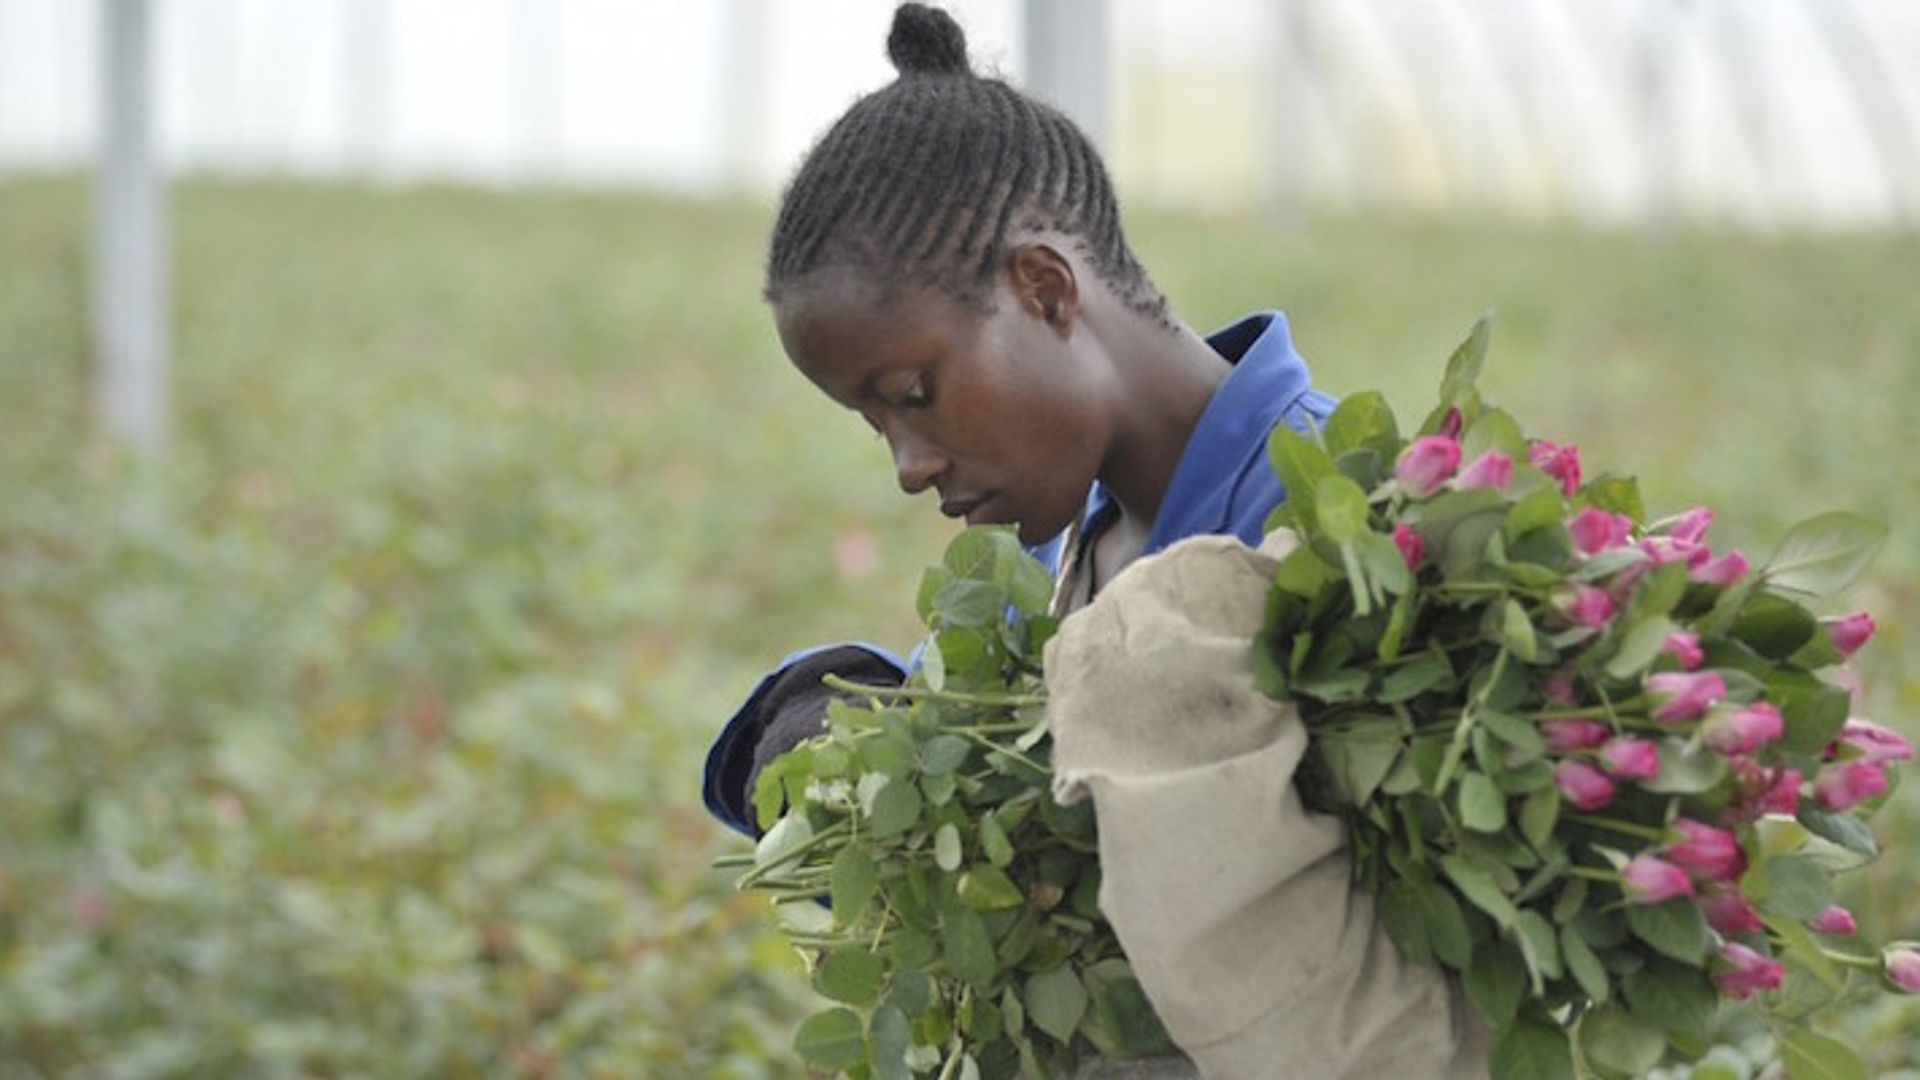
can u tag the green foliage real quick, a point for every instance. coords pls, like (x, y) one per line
(961, 894)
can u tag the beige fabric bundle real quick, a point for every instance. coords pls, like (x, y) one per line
(1234, 904)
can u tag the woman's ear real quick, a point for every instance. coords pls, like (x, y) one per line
(1044, 283)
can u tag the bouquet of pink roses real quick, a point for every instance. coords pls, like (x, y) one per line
(1600, 769)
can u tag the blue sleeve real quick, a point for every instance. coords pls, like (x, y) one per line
(730, 761)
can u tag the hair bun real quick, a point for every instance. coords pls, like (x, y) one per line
(925, 40)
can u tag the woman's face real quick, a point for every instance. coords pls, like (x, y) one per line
(1004, 412)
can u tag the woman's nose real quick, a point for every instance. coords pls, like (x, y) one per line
(916, 463)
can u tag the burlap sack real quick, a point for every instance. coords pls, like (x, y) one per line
(1234, 904)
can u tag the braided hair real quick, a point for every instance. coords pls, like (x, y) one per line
(920, 182)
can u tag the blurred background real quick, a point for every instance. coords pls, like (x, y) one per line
(400, 481)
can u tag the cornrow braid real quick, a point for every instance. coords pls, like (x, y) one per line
(920, 182)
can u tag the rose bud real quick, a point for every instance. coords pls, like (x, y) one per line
(1742, 972)
(1564, 736)
(1629, 758)
(1412, 547)
(1649, 879)
(1558, 688)
(1595, 530)
(1426, 464)
(1903, 967)
(1742, 729)
(1849, 632)
(1691, 527)
(1849, 783)
(1492, 469)
(1560, 462)
(1583, 785)
(1834, 920)
(1712, 853)
(1584, 605)
(1685, 694)
(1872, 742)
(1729, 911)
(1725, 570)
(1684, 646)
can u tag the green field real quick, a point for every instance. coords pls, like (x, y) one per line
(361, 735)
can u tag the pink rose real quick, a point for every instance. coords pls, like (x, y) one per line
(1629, 758)
(1849, 783)
(1492, 469)
(1712, 853)
(1760, 790)
(1564, 736)
(1834, 920)
(1725, 570)
(1583, 785)
(1649, 879)
(1729, 911)
(1691, 527)
(1426, 463)
(1742, 729)
(1684, 647)
(1849, 632)
(1872, 742)
(1558, 689)
(1560, 462)
(1412, 547)
(1595, 530)
(1584, 605)
(1684, 695)
(1743, 972)
(1903, 968)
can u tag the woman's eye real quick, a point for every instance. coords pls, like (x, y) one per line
(918, 394)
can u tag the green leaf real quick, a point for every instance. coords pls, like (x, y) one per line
(1358, 755)
(1680, 999)
(851, 975)
(1341, 514)
(1794, 887)
(1615, 495)
(1617, 1040)
(1515, 631)
(1584, 966)
(853, 882)
(890, 1039)
(1363, 420)
(1809, 1055)
(1841, 827)
(1530, 1049)
(1463, 366)
(1300, 462)
(1477, 884)
(993, 841)
(894, 808)
(1823, 554)
(1686, 770)
(1056, 1000)
(1539, 946)
(967, 948)
(943, 754)
(946, 847)
(1639, 646)
(1673, 927)
(1539, 814)
(832, 1040)
(1483, 807)
(966, 602)
(1774, 626)
(988, 888)
(1420, 673)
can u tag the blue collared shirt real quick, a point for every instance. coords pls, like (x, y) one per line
(1222, 485)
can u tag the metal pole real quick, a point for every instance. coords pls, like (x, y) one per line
(1066, 60)
(130, 254)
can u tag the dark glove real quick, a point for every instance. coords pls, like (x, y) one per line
(795, 708)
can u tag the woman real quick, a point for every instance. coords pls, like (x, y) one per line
(949, 263)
